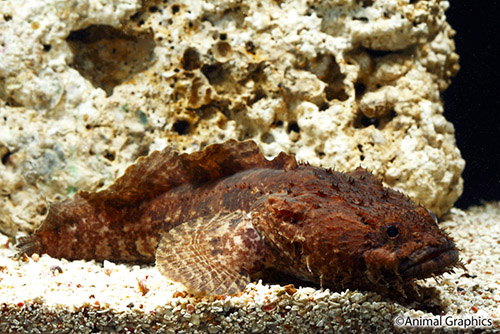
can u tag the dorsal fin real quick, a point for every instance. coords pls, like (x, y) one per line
(163, 170)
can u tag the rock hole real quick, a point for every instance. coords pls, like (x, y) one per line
(362, 121)
(360, 148)
(214, 73)
(136, 16)
(5, 153)
(359, 89)
(324, 106)
(175, 9)
(182, 127)
(379, 53)
(108, 57)
(109, 155)
(47, 47)
(256, 71)
(257, 95)
(293, 126)
(332, 76)
(267, 138)
(250, 47)
(362, 19)
(223, 49)
(190, 59)
(331, 93)
(365, 3)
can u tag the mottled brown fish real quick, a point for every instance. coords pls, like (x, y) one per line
(214, 219)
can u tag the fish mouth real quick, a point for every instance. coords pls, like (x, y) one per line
(429, 260)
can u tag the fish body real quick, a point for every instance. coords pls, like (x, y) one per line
(214, 219)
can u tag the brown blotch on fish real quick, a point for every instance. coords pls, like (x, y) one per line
(214, 220)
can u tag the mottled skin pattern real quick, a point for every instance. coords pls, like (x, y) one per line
(215, 218)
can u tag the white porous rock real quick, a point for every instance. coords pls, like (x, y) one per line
(88, 86)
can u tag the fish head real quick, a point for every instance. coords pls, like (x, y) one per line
(407, 245)
(349, 231)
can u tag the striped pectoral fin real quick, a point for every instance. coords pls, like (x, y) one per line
(212, 255)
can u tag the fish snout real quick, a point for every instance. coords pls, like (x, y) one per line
(429, 260)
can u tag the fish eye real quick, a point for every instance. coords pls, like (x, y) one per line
(392, 232)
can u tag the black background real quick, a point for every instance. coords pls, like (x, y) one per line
(472, 102)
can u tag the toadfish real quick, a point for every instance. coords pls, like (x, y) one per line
(214, 219)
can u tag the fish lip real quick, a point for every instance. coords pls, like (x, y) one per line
(429, 260)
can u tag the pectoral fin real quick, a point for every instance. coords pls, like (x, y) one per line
(212, 255)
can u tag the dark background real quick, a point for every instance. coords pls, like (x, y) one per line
(472, 102)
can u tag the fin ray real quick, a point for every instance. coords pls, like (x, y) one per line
(163, 170)
(211, 256)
